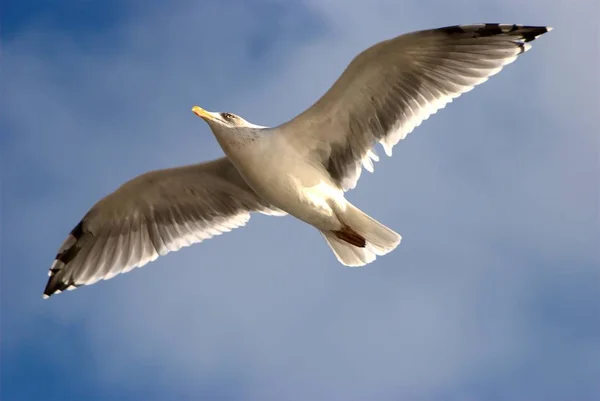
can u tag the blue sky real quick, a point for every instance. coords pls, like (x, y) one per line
(492, 295)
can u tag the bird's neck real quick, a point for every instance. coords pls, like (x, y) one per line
(238, 140)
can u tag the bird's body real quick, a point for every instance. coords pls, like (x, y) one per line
(284, 173)
(283, 176)
(302, 167)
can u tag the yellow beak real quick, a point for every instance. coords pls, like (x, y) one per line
(200, 112)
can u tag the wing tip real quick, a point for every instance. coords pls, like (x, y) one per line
(52, 288)
(57, 286)
(67, 252)
(519, 34)
(48, 292)
(527, 32)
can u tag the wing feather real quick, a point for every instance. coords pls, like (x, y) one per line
(391, 88)
(153, 214)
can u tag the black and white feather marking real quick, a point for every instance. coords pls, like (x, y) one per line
(151, 215)
(390, 88)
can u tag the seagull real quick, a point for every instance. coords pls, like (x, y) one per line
(302, 167)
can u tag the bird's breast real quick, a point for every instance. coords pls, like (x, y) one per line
(285, 179)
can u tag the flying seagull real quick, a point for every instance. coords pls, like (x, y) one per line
(302, 167)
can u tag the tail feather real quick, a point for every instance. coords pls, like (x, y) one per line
(379, 239)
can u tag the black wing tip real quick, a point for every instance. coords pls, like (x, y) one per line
(69, 250)
(55, 286)
(527, 32)
(48, 292)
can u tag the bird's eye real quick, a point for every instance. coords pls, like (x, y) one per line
(228, 116)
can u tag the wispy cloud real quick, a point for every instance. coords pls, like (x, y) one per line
(496, 197)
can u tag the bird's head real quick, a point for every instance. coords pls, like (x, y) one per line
(220, 121)
(231, 130)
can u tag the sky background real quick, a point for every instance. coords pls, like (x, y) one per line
(494, 293)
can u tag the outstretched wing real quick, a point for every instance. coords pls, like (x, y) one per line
(151, 215)
(390, 88)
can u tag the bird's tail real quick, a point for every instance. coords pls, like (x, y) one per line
(361, 238)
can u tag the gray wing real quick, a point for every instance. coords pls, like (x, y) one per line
(151, 215)
(390, 88)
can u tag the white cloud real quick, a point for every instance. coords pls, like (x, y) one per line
(501, 177)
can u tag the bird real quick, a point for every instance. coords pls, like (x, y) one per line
(302, 167)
